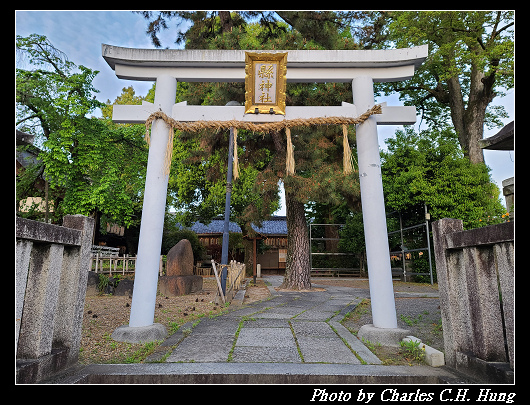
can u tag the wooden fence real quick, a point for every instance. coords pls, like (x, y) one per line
(476, 271)
(235, 276)
(118, 264)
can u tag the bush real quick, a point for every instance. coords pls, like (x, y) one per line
(173, 236)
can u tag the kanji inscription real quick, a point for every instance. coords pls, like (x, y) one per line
(265, 83)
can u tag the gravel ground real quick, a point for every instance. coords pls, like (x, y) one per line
(418, 312)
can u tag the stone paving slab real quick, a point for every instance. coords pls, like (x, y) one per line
(332, 307)
(314, 329)
(258, 373)
(362, 351)
(314, 315)
(278, 330)
(249, 354)
(201, 350)
(266, 337)
(267, 323)
(325, 350)
(241, 312)
(220, 326)
(284, 312)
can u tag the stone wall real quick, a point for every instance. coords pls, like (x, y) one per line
(52, 264)
(476, 282)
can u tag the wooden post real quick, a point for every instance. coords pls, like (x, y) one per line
(218, 281)
(254, 266)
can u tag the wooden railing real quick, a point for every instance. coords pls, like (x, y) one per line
(118, 264)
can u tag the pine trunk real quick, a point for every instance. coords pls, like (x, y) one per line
(298, 266)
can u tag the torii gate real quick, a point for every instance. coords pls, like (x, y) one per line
(166, 67)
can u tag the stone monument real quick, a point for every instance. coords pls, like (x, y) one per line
(179, 269)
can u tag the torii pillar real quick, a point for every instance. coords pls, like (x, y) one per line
(384, 328)
(141, 328)
(361, 68)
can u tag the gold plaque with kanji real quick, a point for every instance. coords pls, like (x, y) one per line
(265, 82)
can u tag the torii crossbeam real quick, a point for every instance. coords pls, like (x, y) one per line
(166, 67)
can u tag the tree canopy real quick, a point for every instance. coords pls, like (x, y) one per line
(430, 167)
(470, 62)
(91, 164)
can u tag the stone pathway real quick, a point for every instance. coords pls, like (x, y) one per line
(292, 338)
(290, 327)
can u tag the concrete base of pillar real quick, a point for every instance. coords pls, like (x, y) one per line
(140, 334)
(384, 336)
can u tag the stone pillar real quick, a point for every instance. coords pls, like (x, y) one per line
(153, 210)
(68, 320)
(508, 190)
(373, 206)
(51, 279)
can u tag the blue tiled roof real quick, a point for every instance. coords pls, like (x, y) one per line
(216, 226)
(273, 226)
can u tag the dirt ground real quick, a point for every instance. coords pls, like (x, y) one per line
(256, 292)
(399, 286)
(105, 313)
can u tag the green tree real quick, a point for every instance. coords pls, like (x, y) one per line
(470, 62)
(430, 167)
(92, 165)
(320, 27)
(352, 239)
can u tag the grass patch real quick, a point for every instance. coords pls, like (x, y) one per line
(296, 341)
(230, 354)
(140, 354)
(363, 308)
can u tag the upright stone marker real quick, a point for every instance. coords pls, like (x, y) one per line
(179, 278)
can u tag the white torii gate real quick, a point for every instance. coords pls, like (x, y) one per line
(168, 66)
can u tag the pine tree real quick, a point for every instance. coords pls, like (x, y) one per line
(318, 151)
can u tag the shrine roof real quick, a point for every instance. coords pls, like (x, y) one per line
(274, 226)
(502, 140)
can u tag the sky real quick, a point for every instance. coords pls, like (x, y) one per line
(79, 34)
